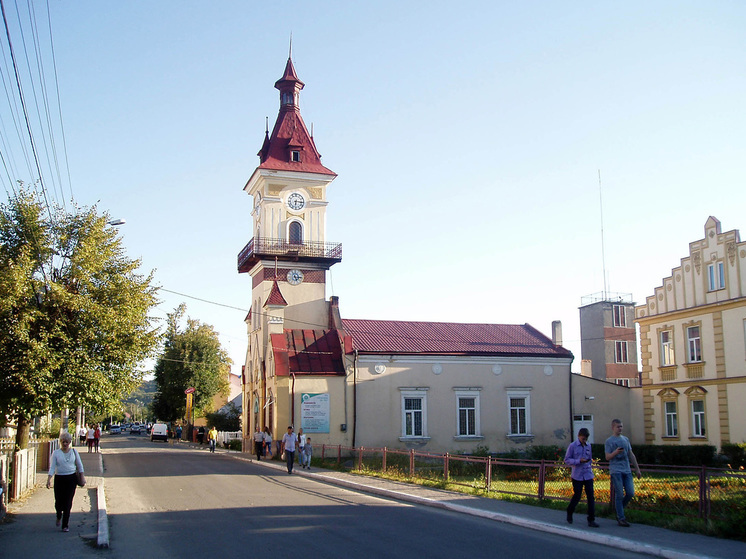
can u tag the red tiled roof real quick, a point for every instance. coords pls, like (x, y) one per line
(290, 131)
(316, 352)
(448, 338)
(275, 296)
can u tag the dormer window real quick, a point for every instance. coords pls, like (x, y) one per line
(295, 155)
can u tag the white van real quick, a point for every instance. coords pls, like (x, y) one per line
(159, 432)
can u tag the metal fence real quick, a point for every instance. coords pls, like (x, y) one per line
(703, 492)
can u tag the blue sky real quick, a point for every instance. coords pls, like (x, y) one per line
(467, 138)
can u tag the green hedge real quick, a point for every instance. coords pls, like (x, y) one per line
(667, 455)
(735, 455)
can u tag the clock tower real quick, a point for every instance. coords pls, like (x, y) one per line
(287, 260)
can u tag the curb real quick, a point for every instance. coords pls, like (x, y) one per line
(102, 537)
(103, 520)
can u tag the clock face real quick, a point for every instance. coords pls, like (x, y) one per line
(296, 201)
(295, 277)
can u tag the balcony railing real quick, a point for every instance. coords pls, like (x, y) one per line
(695, 370)
(668, 373)
(265, 247)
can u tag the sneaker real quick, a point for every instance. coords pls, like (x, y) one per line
(569, 519)
(592, 524)
(623, 522)
(66, 529)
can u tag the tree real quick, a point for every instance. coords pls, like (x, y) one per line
(228, 419)
(191, 357)
(73, 311)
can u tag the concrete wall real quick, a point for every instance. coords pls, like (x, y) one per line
(606, 401)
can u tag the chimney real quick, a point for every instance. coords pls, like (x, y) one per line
(557, 332)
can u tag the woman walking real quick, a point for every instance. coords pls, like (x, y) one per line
(267, 442)
(64, 466)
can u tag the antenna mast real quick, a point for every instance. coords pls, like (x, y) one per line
(603, 249)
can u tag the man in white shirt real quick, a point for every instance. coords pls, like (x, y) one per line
(289, 441)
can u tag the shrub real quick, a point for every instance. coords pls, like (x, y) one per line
(735, 455)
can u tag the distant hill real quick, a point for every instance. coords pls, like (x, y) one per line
(143, 394)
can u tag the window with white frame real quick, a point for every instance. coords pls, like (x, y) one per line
(622, 382)
(414, 413)
(467, 413)
(667, 356)
(620, 352)
(694, 344)
(519, 409)
(620, 318)
(716, 276)
(672, 421)
(698, 418)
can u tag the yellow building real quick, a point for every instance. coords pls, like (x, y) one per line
(693, 346)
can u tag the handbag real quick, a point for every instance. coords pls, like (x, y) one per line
(79, 475)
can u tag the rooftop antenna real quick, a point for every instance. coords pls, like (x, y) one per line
(312, 130)
(603, 250)
(266, 125)
(290, 52)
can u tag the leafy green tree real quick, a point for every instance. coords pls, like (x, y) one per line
(73, 312)
(191, 357)
(228, 419)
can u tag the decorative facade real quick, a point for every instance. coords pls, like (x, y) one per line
(693, 345)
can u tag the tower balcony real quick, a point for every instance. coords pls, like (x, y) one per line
(260, 248)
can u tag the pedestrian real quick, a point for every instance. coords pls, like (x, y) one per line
(201, 435)
(307, 453)
(213, 436)
(178, 433)
(64, 466)
(301, 444)
(579, 456)
(267, 442)
(90, 437)
(97, 436)
(620, 456)
(289, 442)
(258, 443)
(81, 433)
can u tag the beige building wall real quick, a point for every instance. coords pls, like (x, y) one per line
(383, 383)
(602, 401)
(697, 397)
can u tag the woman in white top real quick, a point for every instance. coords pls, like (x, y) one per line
(64, 465)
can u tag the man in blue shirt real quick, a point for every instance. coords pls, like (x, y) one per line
(579, 456)
(620, 456)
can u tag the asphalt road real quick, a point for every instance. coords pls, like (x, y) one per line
(165, 501)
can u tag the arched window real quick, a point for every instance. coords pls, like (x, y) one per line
(295, 233)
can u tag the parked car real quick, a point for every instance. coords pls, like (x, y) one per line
(159, 432)
(136, 428)
(115, 430)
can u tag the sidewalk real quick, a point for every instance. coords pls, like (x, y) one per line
(30, 522)
(639, 538)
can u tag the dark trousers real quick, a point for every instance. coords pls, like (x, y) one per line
(64, 491)
(259, 449)
(290, 457)
(577, 488)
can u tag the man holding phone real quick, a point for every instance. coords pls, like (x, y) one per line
(620, 456)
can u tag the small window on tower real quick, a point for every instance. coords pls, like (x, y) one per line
(295, 155)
